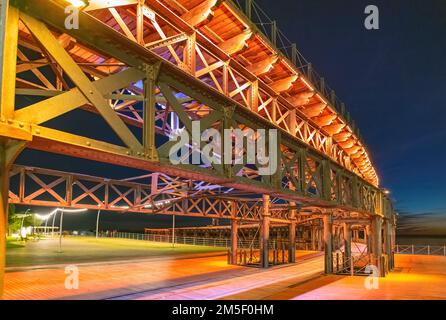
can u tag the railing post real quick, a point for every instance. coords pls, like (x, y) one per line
(428, 250)
(413, 249)
(397, 249)
(274, 32)
(248, 9)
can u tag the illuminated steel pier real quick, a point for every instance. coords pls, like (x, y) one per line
(149, 68)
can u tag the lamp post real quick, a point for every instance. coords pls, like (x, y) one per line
(97, 224)
(23, 218)
(46, 227)
(54, 219)
(60, 230)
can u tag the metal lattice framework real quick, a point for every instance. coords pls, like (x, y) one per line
(121, 80)
(144, 69)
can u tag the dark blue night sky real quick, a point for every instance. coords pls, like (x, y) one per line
(392, 81)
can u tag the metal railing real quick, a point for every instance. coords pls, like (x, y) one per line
(207, 242)
(197, 241)
(420, 249)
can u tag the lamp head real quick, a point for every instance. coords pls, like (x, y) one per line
(79, 3)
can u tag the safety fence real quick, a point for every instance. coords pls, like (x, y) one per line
(248, 250)
(197, 241)
(421, 249)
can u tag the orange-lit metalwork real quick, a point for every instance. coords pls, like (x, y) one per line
(155, 66)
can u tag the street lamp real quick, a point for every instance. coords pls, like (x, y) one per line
(79, 3)
(23, 217)
(61, 222)
(23, 220)
(44, 217)
(97, 223)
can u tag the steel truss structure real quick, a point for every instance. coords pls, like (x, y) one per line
(149, 68)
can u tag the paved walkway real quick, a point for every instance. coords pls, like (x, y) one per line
(251, 283)
(90, 249)
(172, 278)
(415, 277)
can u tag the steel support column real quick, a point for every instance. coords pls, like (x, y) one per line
(149, 112)
(264, 234)
(9, 149)
(234, 241)
(328, 225)
(292, 236)
(377, 243)
(388, 243)
(368, 239)
(347, 244)
(393, 244)
(313, 238)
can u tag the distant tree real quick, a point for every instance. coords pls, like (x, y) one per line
(15, 219)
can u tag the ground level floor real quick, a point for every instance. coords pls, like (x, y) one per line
(130, 269)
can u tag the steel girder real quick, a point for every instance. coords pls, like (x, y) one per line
(315, 177)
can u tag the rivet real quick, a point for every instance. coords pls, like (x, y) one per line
(88, 143)
(21, 124)
(10, 121)
(38, 131)
(127, 152)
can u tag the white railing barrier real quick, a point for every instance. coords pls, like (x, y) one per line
(432, 250)
(208, 242)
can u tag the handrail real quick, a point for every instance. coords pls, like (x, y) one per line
(432, 250)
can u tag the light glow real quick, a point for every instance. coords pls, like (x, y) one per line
(45, 217)
(307, 84)
(78, 3)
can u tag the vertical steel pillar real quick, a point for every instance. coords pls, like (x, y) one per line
(393, 244)
(377, 243)
(234, 241)
(368, 238)
(189, 54)
(313, 238)
(9, 26)
(248, 8)
(149, 112)
(264, 234)
(347, 244)
(321, 243)
(4, 180)
(388, 242)
(140, 22)
(9, 150)
(292, 235)
(328, 225)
